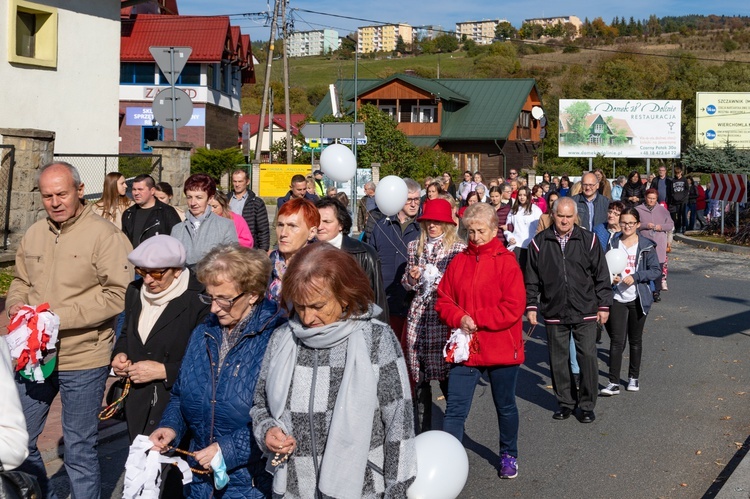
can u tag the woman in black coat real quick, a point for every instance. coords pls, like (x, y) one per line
(161, 311)
(633, 192)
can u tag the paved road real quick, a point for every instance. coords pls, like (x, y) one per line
(671, 439)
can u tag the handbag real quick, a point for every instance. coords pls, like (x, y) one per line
(115, 400)
(18, 485)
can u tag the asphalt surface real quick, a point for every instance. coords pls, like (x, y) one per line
(680, 436)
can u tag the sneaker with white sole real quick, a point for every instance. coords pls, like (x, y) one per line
(508, 466)
(610, 389)
(633, 385)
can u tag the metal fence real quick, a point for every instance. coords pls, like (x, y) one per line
(94, 167)
(7, 163)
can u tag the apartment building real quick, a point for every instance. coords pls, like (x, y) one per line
(307, 43)
(551, 21)
(383, 38)
(482, 32)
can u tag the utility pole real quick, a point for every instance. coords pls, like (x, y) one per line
(270, 124)
(287, 111)
(267, 82)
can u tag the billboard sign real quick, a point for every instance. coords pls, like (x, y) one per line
(144, 116)
(275, 178)
(619, 128)
(722, 118)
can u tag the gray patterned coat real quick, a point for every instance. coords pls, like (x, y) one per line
(392, 462)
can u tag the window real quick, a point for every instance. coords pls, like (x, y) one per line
(190, 75)
(524, 120)
(391, 111)
(424, 114)
(211, 76)
(33, 29)
(598, 128)
(137, 73)
(150, 133)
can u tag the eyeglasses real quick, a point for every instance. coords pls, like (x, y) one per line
(225, 303)
(513, 173)
(628, 225)
(589, 185)
(412, 200)
(155, 274)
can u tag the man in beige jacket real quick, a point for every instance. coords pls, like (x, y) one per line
(77, 262)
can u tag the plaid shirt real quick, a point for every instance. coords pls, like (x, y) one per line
(563, 240)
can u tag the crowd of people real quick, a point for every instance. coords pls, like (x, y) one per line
(306, 369)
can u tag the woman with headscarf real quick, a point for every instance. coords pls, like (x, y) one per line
(202, 229)
(114, 200)
(333, 407)
(482, 293)
(296, 226)
(425, 337)
(213, 394)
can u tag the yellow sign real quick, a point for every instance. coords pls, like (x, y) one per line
(275, 179)
(723, 118)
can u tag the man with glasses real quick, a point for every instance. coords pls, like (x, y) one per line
(592, 206)
(78, 263)
(663, 186)
(390, 237)
(568, 282)
(512, 175)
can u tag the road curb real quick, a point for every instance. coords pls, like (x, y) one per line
(729, 248)
(106, 434)
(737, 485)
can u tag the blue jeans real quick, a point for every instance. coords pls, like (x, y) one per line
(81, 393)
(462, 381)
(574, 367)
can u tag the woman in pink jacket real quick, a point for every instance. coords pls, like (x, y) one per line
(220, 205)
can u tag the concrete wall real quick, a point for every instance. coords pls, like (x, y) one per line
(78, 99)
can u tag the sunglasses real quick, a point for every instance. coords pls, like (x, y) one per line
(156, 274)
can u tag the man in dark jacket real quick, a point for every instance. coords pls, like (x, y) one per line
(297, 189)
(567, 274)
(680, 193)
(663, 186)
(592, 206)
(244, 202)
(390, 238)
(148, 216)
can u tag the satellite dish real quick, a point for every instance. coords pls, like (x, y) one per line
(537, 112)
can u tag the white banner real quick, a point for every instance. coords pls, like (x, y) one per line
(619, 128)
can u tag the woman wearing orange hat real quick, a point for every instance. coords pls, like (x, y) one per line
(426, 335)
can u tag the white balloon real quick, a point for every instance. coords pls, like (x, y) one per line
(442, 467)
(391, 194)
(617, 260)
(338, 163)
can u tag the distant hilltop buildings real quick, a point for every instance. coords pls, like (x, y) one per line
(385, 37)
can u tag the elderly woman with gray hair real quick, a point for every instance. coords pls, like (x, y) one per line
(333, 405)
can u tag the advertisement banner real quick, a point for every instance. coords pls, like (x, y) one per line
(275, 179)
(143, 116)
(722, 118)
(619, 128)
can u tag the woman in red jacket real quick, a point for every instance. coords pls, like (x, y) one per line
(482, 293)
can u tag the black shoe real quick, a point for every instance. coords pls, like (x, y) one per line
(562, 413)
(657, 296)
(587, 416)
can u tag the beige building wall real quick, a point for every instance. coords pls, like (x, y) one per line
(383, 38)
(482, 32)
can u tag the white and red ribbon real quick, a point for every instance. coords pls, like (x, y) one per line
(32, 335)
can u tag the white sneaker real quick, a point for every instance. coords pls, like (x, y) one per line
(611, 389)
(633, 385)
(664, 285)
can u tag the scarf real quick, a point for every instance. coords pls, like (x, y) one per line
(153, 304)
(342, 470)
(195, 222)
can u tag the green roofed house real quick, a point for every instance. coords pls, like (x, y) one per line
(485, 124)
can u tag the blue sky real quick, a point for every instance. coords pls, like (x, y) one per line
(447, 12)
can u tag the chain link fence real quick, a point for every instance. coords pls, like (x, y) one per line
(94, 167)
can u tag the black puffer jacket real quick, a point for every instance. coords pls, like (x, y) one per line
(630, 190)
(571, 286)
(255, 214)
(368, 259)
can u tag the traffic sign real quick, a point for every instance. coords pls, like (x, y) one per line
(176, 115)
(347, 141)
(171, 60)
(729, 187)
(333, 130)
